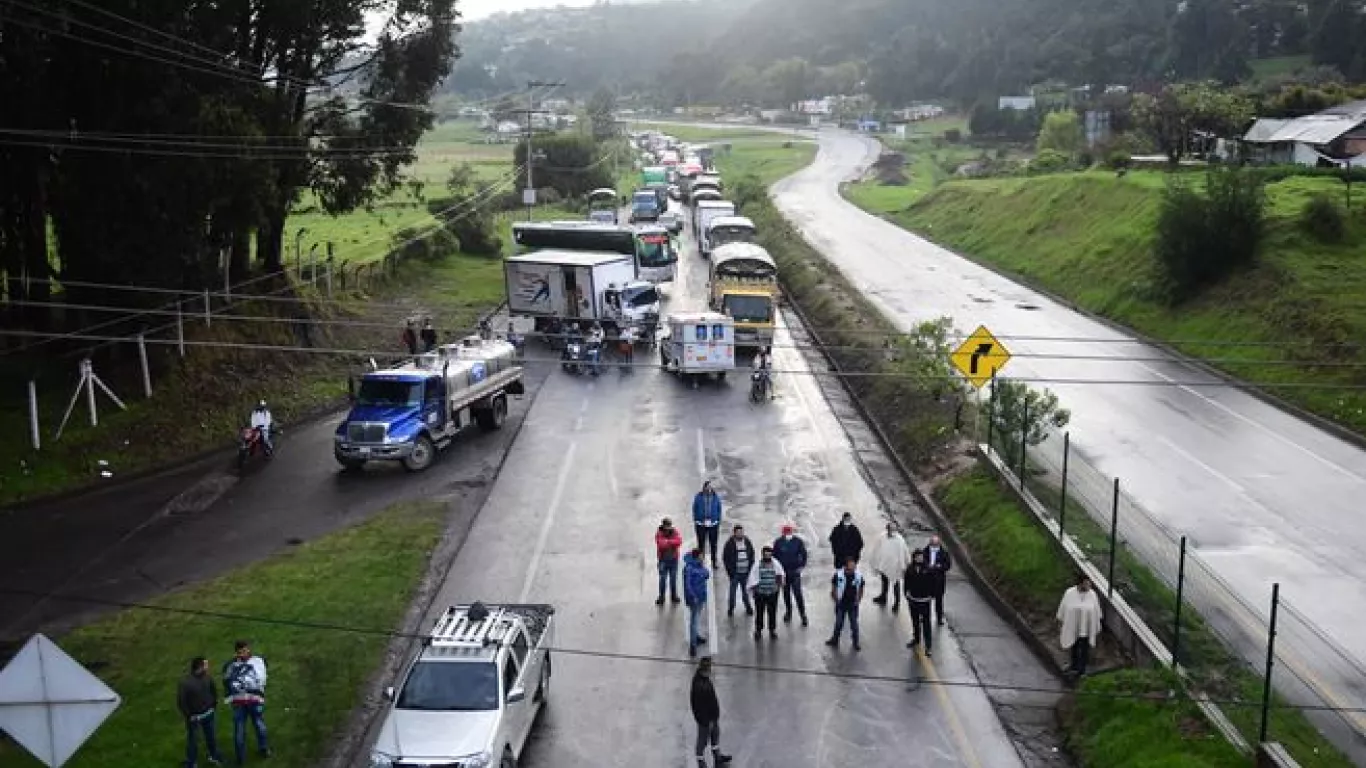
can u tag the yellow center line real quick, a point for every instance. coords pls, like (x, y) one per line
(942, 694)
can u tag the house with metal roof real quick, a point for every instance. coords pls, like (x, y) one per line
(1334, 137)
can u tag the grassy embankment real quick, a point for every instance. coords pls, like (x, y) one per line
(218, 385)
(362, 577)
(1088, 238)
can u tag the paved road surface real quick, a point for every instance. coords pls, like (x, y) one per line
(571, 520)
(1262, 495)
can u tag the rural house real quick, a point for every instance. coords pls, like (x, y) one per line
(1334, 137)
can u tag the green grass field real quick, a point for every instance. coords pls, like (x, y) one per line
(1276, 66)
(1087, 236)
(766, 159)
(362, 577)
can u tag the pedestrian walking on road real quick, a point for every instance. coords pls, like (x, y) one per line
(695, 576)
(738, 557)
(197, 699)
(938, 561)
(410, 337)
(846, 589)
(668, 543)
(428, 336)
(706, 710)
(244, 682)
(919, 592)
(706, 517)
(846, 541)
(765, 580)
(1079, 616)
(890, 558)
(790, 552)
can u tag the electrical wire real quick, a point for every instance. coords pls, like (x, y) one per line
(660, 659)
(609, 364)
(774, 345)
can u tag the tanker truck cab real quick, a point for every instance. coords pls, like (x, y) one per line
(409, 412)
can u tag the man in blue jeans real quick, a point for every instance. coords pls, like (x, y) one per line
(244, 680)
(695, 576)
(197, 698)
(846, 589)
(668, 541)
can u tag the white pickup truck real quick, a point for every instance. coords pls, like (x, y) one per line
(470, 697)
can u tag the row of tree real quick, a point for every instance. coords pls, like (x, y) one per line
(142, 140)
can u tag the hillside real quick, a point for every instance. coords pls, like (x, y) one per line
(1087, 238)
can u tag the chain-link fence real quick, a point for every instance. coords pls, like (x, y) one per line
(1218, 636)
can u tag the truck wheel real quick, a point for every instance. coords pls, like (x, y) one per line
(493, 417)
(508, 761)
(424, 453)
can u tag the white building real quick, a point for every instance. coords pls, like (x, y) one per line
(1020, 103)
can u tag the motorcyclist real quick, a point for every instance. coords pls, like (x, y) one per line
(262, 420)
(572, 335)
(596, 335)
(763, 365)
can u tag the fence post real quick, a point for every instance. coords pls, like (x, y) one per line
(329, 277)
(33, 415)
(1114, 535)
(146, 372)
(1270, 662)
(1180, 591)
(1062, 505)
(208, 320)
(1024, 441)
(180, 330)
(991, 414)
(87, 379)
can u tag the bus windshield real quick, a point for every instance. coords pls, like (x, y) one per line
(655, 251)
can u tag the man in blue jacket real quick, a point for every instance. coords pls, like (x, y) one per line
(790, 551)
(706, 518)
(695, 577)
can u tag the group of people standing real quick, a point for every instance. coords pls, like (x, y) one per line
(760, 575)
(415, 339)
(244, 687)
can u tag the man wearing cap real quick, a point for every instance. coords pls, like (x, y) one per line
(668, 543)
(765, 581)
(790, 552)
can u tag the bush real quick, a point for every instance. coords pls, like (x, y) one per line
(1118, 159)
(1050, 161)
(1322, 219)
(1202, 238)
(953, 136)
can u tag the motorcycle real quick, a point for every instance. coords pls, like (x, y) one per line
(252, 441)
(572, 357)
(593, 354)
(759, 386)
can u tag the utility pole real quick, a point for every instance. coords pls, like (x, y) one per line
(529, 194)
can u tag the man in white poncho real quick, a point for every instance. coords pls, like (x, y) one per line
(1079, 614)
(890, 557)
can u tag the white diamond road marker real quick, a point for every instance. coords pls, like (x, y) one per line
(49, 703)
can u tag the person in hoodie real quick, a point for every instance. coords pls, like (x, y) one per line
(790, 552)
(197, 698)
(846, 541)
(738, 557)
(695, 576)
(920, 587)
(706, 710)
(244, 681)
(668, 543)
(938, 561)
(890, 558)
(706, 517)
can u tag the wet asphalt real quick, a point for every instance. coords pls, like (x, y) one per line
(1262, 495)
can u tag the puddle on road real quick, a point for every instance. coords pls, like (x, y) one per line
(201, 495)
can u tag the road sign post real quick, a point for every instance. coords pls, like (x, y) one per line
(1114, 534)
(1180, 592)
(49, 703)
(1024, 440)
(1270, 662)
(1062, 503)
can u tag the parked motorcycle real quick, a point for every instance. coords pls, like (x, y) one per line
(252, 441)
(572, 357)
(759, 386)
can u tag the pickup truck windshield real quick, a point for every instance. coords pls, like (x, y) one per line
(451, 686)
(750, 309)
(384, 392)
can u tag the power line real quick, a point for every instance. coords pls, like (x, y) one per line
(677, 660)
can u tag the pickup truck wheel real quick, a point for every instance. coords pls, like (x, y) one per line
(424, 452)
(494, 416)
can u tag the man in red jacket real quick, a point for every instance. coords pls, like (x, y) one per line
(668, 541)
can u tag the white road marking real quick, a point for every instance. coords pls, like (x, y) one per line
(578, 422)
(534, 565)
(701, 456)
(1327, 462)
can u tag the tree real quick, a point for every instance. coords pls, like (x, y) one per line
(467, 214)
(743, 85)
(1202, 238)
(602, 115)
(1062, 132)
(571, 164)
(1018, 413)
(790, 80)
(1175, 111)
(1208, 40)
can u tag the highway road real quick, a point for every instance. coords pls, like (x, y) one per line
(1263, 496)
(571, 519)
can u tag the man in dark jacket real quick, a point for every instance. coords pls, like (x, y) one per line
(790, 552)
(706, 518)
(706, 710)
(428, 336)
(738, 557)
(846, 541)
(919, 582)
(938, 562)
(197, 698)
